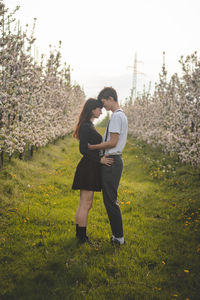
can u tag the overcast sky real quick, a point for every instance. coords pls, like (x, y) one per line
(100, 38)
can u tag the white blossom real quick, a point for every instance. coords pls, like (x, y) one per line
(170, 118)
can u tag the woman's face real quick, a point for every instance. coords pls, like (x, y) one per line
(96, 112)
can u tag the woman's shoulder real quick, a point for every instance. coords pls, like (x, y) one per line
(85, 125)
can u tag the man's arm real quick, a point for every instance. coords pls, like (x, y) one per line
(114, 137)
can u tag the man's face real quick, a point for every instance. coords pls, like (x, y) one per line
(107, 103)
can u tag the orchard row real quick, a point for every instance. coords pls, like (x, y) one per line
(38, 103)
(170, 118)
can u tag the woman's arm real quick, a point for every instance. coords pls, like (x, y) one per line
(114, 137)
(83, 146)
(85, 132)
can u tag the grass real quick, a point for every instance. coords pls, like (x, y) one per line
(41, 259)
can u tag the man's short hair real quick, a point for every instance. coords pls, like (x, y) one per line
(106, 93)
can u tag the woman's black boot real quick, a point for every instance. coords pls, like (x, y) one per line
(83, 238)
(77, 230)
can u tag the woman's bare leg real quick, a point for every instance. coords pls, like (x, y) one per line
(85, 204)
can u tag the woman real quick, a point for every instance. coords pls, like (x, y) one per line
(87, 177)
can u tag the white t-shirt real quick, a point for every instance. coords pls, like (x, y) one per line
(118, 124)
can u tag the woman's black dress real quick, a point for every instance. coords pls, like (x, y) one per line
(87, 175)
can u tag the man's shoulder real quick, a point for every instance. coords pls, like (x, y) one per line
(119, 114)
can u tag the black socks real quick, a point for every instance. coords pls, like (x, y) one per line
(77, 231)
(81, 233)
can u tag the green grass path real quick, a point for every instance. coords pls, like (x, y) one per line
(41, 259)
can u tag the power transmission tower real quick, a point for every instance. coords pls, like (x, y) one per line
(36, 56)
(134, 78)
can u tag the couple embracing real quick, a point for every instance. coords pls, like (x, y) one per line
(101, 165)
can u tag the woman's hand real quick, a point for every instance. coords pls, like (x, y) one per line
(90, 147)
(107, 161)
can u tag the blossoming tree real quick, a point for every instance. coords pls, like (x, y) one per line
(38, 103)
(170, 118)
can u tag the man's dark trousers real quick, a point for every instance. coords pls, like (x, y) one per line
(110, 176)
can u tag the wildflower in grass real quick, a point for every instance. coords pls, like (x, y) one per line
(163, 262)
(175, 295)
(186, 271)
(122, 202)
(157, 288)
(128, 202)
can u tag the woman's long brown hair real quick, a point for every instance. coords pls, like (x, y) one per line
(86, 114)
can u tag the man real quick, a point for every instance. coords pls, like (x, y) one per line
(114, 142)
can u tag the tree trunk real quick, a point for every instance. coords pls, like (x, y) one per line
(21, 155)
(30, 151)
(1, 160)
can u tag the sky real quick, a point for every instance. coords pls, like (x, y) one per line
(100, 38)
